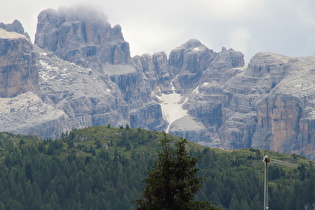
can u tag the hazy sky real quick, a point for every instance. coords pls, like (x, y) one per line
(250, 26)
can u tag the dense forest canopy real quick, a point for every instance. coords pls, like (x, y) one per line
(103, 168)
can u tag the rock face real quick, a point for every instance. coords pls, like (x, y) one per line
(286, 113)
(18, 68)
(87, 78)
(273, 108)
(81, 36)
(16, 26)
(97, 88)
(28, 114)
(91, 98)
(189, 86)
(22, 111)
(212, 98)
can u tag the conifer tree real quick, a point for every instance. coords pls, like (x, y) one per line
(172, 181)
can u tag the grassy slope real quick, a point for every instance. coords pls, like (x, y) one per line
(139, 140)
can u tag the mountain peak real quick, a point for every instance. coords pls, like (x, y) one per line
(192, 43)
(16, 26)
(83, 13)
(83, 36)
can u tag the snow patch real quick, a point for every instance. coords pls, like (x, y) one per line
(197, 49)
(171, 106)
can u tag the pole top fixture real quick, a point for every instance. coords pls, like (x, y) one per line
(266, 159)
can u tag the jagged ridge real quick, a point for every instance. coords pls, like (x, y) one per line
(267, 104)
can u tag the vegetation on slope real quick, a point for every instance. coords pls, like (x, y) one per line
(172, 182)
(103, 168)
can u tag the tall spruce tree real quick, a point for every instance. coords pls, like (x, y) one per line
(172, 182)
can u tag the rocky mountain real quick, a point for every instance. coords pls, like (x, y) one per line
(92, 89)
(22, 110)
(87, 78)
(82, 36)
(18, 69)
(16, 26)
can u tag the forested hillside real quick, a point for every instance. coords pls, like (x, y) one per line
(103, 168)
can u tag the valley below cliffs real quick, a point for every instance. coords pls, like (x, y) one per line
(79, 73)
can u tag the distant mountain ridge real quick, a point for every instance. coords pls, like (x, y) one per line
(86, 75)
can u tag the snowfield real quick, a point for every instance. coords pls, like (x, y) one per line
(172, 107)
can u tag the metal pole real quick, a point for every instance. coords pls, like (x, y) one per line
(265, 184)
(267, 207)
(266, 160)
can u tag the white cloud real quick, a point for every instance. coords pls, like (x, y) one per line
(157, 37)
(242, 40)
(233, 9)
(281, 26)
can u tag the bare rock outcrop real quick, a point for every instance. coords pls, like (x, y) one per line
(18, 67)
(22, 111)
(191, 60)
(28, 114)
(267, 104)
(200, 80)
(16, 26)
(190, 88)
(82, 36)
(86, 71)
(88, 97)
(270, 105)
(155, 71)
(117, 96)
(285, 119)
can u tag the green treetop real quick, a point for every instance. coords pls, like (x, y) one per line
(172, 181)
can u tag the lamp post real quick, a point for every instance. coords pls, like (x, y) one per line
(266, 160)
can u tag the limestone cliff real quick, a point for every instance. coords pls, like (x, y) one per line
(22, 111)
(285, 119)
(154, 70)
(87, 97)
(18, 68)
(16, 26)
(86, 71)
(212, 98)
(196, 77)
(28, 114)
(273, 102)
(81, 36)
